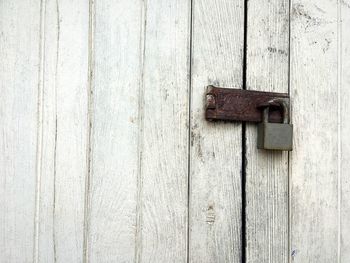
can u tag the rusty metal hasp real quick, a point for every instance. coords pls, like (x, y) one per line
(269, 108)
(242, 105)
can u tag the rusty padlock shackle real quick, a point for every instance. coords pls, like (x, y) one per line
(283, 104)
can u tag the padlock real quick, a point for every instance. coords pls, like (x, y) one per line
(275, 136)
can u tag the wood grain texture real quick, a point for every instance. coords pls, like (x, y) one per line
(216, 152)
(140, 132)
(315, 91)
(19, 83)
(163, 189)
(344, 128)
(116, 57)
(266, 171)
(99, 96)
(64, 131)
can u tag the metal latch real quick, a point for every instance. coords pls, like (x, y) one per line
(253, 106)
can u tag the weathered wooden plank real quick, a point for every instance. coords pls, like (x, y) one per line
(344, 127)
(116, 39)
(266, 171)
(216, 153)
(163, 178)
(64, 131)
(19, 123)
(315, 159)
(140, 132)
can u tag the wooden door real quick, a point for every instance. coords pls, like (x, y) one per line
(105, 155)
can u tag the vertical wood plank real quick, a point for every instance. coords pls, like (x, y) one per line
(315, 158)
(266, 171)
(116, 40)
(140, 132)
(216, 152)
(163, 188)
(65, 131)
(19, 71)
(344, 127)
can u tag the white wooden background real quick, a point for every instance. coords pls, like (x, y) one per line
(105, 155)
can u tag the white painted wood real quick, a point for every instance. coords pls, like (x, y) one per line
(140, 132)
(266, 171)
(99, 97)
(117, 59)
(164, 101)
(19, 85)
(64, 131)
(216, 153)
(316, 92)
(344, 128)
